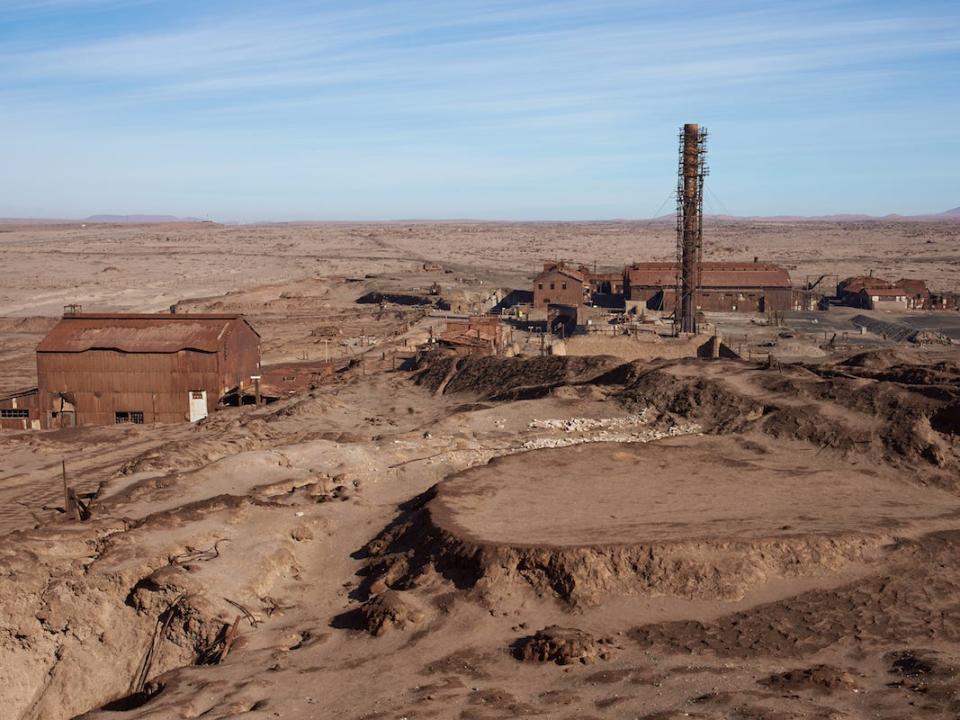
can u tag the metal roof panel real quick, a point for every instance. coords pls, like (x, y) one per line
(138, 333)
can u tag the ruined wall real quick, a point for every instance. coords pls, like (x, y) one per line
(629, 348)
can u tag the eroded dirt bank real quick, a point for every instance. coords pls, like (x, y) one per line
(273, 561)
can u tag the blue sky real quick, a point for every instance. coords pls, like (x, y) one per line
(521, 109)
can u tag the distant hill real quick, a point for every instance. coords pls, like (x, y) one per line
(838, 217)
(139, 219)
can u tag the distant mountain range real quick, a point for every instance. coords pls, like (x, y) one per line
(139, 219)
(102, 219)
(953, 214)
(838, 217)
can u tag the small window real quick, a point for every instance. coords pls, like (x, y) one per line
(13, 413)
(135, 417)
(564, 286)
(552, 286)
(196, 396)
(540, 286)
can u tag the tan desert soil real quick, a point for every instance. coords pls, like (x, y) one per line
(784, 542)
(694, 517)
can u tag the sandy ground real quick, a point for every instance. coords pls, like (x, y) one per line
(723, 539)
(691, 489)
(149, 267)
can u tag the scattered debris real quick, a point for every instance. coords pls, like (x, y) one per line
(389, 609)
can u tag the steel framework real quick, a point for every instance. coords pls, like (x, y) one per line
(691, 171)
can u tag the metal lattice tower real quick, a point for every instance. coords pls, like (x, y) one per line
(691, 172)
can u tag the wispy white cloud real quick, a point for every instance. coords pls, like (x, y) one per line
(517, 79)
(261, 52)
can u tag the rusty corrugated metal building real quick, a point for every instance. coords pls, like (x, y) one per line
(101, 369)
(724, 286)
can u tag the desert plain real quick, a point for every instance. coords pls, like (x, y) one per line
(557, 536)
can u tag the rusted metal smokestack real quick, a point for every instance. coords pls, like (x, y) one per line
(690, 224)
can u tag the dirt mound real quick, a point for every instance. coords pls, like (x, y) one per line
(563, 646)
(65, 619)
(511, 378)
(883, 404)
(897, 415)
(523, 523)
(947, 419)
(879, 359)
(823, 678)
(388, 610)
(720, 408)
(912, 602)
(802, 423)
(709, 402)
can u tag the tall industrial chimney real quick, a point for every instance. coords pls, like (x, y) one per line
(692, 170)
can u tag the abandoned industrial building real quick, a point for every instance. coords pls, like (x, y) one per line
(873, 293)
(102, 369)
(723, 286)
(559, 284)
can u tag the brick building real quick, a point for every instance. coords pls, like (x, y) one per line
(559, 284)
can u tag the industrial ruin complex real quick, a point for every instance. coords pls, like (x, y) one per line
(590, 470)
(723, 287)
(682, 288)
(105, 369)
(680, 291)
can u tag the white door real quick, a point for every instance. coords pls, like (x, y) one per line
(198, 405)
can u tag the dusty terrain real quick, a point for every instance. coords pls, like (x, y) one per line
(570, 537)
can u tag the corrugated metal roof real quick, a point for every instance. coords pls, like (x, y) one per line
(713, 275)
(858, 282)
(884, 291)
(138, 333)
(913, 286)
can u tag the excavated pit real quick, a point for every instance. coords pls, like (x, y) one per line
(697, 517)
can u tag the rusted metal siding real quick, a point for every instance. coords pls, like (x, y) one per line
(713, 275)
(719, 300)
(89, 386)
(724, 287)
(239, 358)
(18, 403)
(100, 383)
